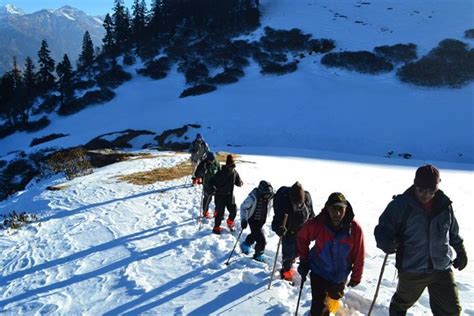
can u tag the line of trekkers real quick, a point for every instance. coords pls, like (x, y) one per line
(418, 225)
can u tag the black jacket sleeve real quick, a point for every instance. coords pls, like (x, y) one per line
(279, 210)
(238, 182)
(387, 231)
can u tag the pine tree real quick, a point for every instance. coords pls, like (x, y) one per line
(86, 58)
(139, 23)
(155, 19)
(64, 72)
(29, 74)
(45, 77)
(29, 80)
(21, 104)
(16, 72)
(7, 93)
(121, 22)
(108, 42)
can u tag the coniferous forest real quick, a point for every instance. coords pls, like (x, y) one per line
(200, 37)
(41, 85)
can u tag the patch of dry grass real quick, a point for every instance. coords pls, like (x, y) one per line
(181, 170)
(56, 187)
(160, 174)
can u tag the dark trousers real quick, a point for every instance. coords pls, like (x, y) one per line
(321, 287)
(256, 235)
(206, 200)
(223, 201)
(441, 288)
(288, 251)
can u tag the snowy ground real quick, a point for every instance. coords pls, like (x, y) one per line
(316, 107)
(112, 248)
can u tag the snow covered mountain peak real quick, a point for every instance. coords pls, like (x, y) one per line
(69, 12)
(10, 9)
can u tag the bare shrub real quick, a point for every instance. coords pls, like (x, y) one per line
(73, 163)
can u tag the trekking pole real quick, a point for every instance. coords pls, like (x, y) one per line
(378, 284)
(299, 296)
(200, 214)
(235, 245)
(276, 255)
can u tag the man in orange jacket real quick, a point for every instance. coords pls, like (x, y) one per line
(338, 252)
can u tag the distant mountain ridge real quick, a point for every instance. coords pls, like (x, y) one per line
(21, 34)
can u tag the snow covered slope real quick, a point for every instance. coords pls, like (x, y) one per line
(106, 247)
(316, 107)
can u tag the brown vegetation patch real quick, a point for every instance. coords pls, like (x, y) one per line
(56, 187)
(181, 170)
(101, 158)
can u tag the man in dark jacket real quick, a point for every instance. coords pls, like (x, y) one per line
(419, 226)
(205, 171)
(297, 203)
(337, 252)
(198, 149)
(222, 184)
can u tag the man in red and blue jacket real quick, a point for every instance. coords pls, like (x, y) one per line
(337, 253)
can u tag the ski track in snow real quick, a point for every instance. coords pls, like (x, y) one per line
(113, 248)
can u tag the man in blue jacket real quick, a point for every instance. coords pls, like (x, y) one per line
(420, 227)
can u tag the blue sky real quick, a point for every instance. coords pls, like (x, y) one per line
(92, 7)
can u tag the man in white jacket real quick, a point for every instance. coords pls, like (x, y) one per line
(253, 213)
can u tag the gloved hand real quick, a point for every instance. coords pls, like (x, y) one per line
(391, 249)
(461, 257)
(243, 224)
(281, 231)
(303, 269)
(353, 283)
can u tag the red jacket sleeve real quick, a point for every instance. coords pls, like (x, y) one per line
(305, 236)
(358, 253)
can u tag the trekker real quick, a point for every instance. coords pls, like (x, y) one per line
(222, 183)
(205, 170)
(198, 149)
(419, 226)
(337, 252)
(253, 213)
(297, 203)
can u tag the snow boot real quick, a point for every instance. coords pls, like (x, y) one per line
(206, 214)
(245, 248)
(231, 224)
(194, 181)
(287, 275)
(199, 180)
(217, 230)
(259, 257)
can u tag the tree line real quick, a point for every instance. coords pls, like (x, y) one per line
(139, 32)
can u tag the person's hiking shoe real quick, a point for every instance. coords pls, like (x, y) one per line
(217, 230)
(231, 224)
(287, 275)
(259, 257)
(245, 248)
(206, 214)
